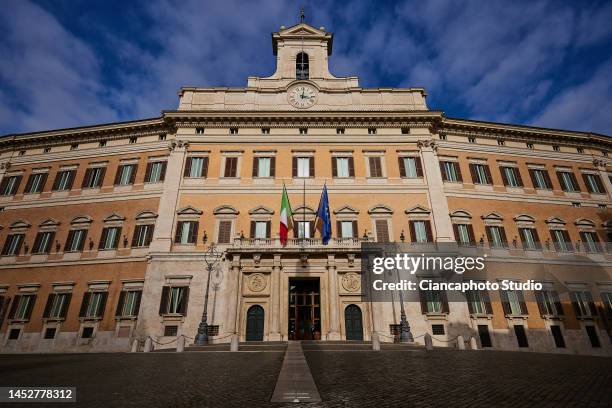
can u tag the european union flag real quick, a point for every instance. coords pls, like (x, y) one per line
(323, 214)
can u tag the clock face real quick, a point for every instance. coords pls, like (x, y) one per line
(302, 96)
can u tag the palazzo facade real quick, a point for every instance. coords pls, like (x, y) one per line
(104, 228)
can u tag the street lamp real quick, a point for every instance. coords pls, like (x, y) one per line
(211, 257)
(405, 334)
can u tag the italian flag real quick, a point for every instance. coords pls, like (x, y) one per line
(285, 214)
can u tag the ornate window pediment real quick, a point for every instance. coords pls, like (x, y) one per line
(49, 223)
(225, 210)
(261, 210)
(555, 221)
(524, 218)
(189, 210)
(493, 216)
(114, 217)
(20, 224)
(461, 215)
(84, 220)
(146, 215)
(417, 210)
(346, 210)
(298, 211)
(584, 223)
(380, 209)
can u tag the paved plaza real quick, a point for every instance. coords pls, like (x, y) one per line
(359, 377)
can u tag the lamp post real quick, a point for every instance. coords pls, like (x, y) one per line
(405, 334)
(212, 259)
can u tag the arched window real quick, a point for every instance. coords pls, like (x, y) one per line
(301, 66)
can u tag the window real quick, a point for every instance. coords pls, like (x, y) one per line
(110, 238)
(94, 176)
(156, 172)
(568, 181)
(496, 235)
(57, 305)
(231, 167)
(437, 329)
(50, 333)
(579, 150)
(129, 303)
(485, 337)
(265, 131)
(371, 131)
(556, 148)
(382, 231)
(590, 241)
(339, 131)
(303, 167)
(604, 153)
(199, 130)
(343, 167)
(576, 204)
(14, 334)
(162, 137)
(450, 171)
(225, 232)
(593, 337)
(63, 180)
(511, 176)
(75, 241)
(420, 231)
(606, 299)
(301, 66)
(433, 301)
(21, 153)
(303, 131)
(557, 334)
(36, 183)
(174, 300)
(529, 145)
(305, 229)
(186, 232)
(410, 167)
(464, 234)
(10, 185)
(549, 303)
(347, 229)
(513, 302)
(142, 235)
(87, 333)
(540, 179)
(102, 143)
(233, 131)
(22, 307)
(529, 238)
(13, 243)
(442, 137)
(561, 240)
(196, 167)
(593, 183)
(47, 150)
(521, 335)
(126, 173)
(264, 166)
(170, 331)
(74, 146)
(479, 302)
(501, 142)
(375, 166)
(405, 131)
(480, 173)
(471, 140)
(260, 229)
(42, 242)
(133, 140)
(93, 305)
(583, 304)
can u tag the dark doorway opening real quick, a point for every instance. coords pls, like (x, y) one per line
(304, 309)
(593, 337)
(558, 336)
(255, 323)
(485, 337)
(521, 335)
(353, 323)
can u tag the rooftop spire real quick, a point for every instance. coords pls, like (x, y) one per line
(302, 15)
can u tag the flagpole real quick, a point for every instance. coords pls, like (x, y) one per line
(304, 211)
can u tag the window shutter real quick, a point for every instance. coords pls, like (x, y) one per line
(519, 179)
(163, 304)
(505, 302)
(149, 236)
(184, 302)
(137, 230)
(193, 232)
(473, 173)
(423, 300)
(458, 170)
(187, 172)
(536, 238)
(82, 243)
(428, 231)
(522, 303)
(255, 166)
(272, 166)
(103, 238)
(225, 232)
(43, 181)
(28, 185)
(419, 166)
(503, 175)
(117, 238)
(567, 239)
(547, 179)
(35, 247)
(137, 303)
(228, 167)
(488, 174)
(339, 229)
(268, 229)
(532, 177)
(488, 231)
(382, 231)
(55, 182)
(351, 164)
(3, 186)
(355, 230)
(470, 230)
(558, 304)
(311, 170)
(540, 300)
(148, 172)
(294, 171)
(502, 233)
(101, 180)
(179, 229)
(443, 172)
(253, 226)
(487, 302)
(16, 300)
(69, 240)
(133, 175)
(444, 302)
(334, 167)
(412, 231)
(469, 296)
(102, 305)
(118, 312)
(48, 305)
(600, 186)
(65, 306)
(575, 182)
(456, 232)
(84, 304)
(31, 303)
(402, 168)
(117, 175)
(561, 183)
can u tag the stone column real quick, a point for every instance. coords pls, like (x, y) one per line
(233, 293)
(600, 164)
(276, 293)
(439, 204)
(162, 237)
(332, 299)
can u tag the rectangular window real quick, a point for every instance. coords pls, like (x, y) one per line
(63, 180)
(143, 234)
(22, 307)
(480, 173)
(93, 305)
(464, 234)
(529, 238)
(433, 301)
(521, 335)
(561, 240)
(410, 167)
(171, 331)
(42, 242)
(126, 174)
(583, 304)
(496, 236)
(260, 229)
(304, 229)
(485, 337)
(568, 181)
(549, 303)
(420, 231)
(513, 302)
(590, 241)
(382, 231)
(437, 329)
(186, 232)
(174, 300)
(196, 167)
(94, 176)
(225, 232)
(50, 333)
(375, 166)
(110, 238)
(343, 167)
(88, 332)
(75, 241)
(479, 302)
(13, 243)
(593, 183)
(540, 179)
(231, 167)
(10, 185)
(450, 171)
(303, 166)
(593, 337)
(57, 305)
(511, 176)
(347, 229)
(129, 303)
(156, 172)
(606, 299)
(264, 166)
(557, 334)
(36, 183)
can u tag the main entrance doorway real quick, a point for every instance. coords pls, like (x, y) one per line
(255, 323)
(304, 309)
(353, 323)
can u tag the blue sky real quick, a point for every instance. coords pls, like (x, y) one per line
(68, 63)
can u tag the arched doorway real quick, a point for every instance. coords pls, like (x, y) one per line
(353, 323)
(255, 323)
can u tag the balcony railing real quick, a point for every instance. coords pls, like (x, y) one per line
(297, 243)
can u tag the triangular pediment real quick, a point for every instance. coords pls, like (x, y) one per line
(493, 216)
(114, 217)
(20, 224)
(555, 220)
(584, 222)
(346, 209)
(461, 214)
(49, 222)
(225, 209)
(145, 215)
(417, 210)
(189, 210)
(524, 218)
(81, 219)
(380, 209)
(261, 210)
(301, 29)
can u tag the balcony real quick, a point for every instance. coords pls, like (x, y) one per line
(295, 244)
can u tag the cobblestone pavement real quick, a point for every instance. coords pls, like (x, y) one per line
(443, 378)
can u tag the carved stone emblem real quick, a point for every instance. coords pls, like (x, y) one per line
(256, 282)
(351, 282)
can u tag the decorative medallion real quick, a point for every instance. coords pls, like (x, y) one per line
(302, 96)
(351, 282)
(256, 282)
